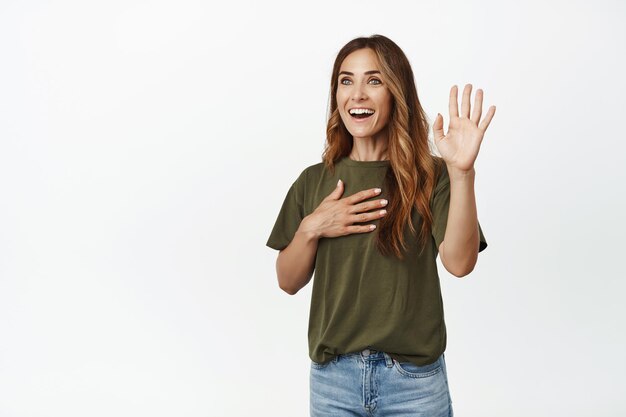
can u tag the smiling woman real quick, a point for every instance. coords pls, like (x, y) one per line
(369, 220)
(364, 101)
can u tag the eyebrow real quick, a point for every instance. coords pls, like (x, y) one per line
(366, 72)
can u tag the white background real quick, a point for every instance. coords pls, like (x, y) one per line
(146, 148)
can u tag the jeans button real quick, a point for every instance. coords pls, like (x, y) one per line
(366, 352)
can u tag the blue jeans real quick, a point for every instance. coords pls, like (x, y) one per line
(371, 383)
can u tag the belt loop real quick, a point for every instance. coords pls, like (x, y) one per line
(388, 360)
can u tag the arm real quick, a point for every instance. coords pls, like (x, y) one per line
(332, 218)
(296, 262)
(459, 149)
(462, 239)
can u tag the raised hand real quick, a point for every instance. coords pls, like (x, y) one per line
(459, 147)
(335, 217)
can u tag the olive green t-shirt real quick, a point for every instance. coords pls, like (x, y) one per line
(361, 298)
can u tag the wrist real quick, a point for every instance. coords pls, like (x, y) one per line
(456, 174)
(307, 231)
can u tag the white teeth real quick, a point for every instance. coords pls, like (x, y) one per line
(361, 111)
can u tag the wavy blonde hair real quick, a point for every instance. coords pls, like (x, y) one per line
(413, 171)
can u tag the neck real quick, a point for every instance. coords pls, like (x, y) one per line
(370, 148)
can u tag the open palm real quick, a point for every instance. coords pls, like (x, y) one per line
(459, 147)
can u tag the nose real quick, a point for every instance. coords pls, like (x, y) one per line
(358, 93)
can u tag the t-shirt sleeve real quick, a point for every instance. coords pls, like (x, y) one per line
(440, 206)
(290, 215)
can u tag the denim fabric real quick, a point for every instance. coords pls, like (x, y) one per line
(371, 383)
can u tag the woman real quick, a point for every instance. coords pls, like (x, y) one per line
(370, 220)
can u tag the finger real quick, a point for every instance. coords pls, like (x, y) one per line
(438, 127)
(478, 106)
(485, 123)
(369, 205)
(366, 217)
(337, 192)
(453, 105)
(465, 101)
(362, 195)
(360, 229)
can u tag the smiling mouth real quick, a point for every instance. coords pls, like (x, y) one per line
(362, 116)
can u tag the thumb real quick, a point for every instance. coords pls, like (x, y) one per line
(337, 192)
(438, 128)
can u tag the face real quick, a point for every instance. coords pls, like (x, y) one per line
(361, 86)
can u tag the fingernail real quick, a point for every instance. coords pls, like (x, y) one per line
(377, 190)
(338, 182)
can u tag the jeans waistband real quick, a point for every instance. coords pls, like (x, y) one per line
(369, 354)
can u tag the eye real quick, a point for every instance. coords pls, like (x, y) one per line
(378, 82)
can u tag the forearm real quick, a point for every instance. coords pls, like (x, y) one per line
(462, 238)
(295, 263)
